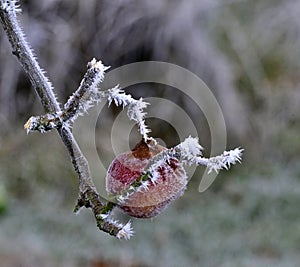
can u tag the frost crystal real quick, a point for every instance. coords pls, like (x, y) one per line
(126, 232)
(88, 92)
(104, 216)
(190, 152)
(10, 5)
(223, 161)
(135, 108)
(190, 148)
(233, 156)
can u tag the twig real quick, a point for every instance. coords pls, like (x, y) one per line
(88, 195)
(86, 95)
(188, 152)
(78, 104)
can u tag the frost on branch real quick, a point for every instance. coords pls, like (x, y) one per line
(44, 123)
(10, 6)
(82, 99)
(189, 149)
(135, 108)
(225, 160)
(85, 97)
(189, 152)
(126, 232)
(88, 92)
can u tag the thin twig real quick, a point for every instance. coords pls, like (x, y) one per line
(82, 99)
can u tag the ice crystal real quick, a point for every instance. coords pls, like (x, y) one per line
(126, 232)
(135, 108)
(10, 6)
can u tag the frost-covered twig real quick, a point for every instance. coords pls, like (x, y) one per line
(85, 97)
(135, 108)
(88, 196)
(102, 213)
(141, 183)
(88, 92)
(188, 152)
(82, 99)
(223, 161)
(10, 6)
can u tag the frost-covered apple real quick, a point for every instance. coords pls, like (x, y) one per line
(152, 198)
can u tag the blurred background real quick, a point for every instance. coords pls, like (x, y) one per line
(247, 52)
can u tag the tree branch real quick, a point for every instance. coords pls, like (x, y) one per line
(88, 195)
